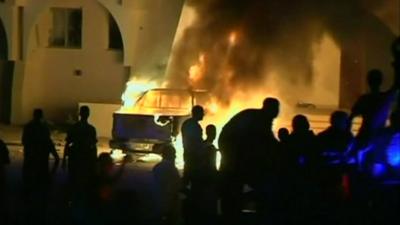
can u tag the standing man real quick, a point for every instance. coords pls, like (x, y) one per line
(36, 175)
(192, 137)
(81, 150)
(247, 145)
(374, 108)
(37, 147)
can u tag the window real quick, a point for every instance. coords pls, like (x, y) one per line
(67, 28)
(114, 34)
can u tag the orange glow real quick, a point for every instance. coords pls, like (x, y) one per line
(233, 38)
(134, 89)
(196, 71)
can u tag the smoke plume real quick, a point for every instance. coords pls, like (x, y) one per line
(245, 42)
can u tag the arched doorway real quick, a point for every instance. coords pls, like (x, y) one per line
(57, 64)
(6, 71)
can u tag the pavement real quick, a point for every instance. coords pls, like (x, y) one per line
(137, 178)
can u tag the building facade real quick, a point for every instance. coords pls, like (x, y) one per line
(57, 53)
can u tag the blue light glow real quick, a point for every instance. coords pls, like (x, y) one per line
(393, 151)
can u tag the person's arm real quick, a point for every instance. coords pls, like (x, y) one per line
(53, 152)
(4, 151)
(67, 149)
(356, 110)
(121, 169)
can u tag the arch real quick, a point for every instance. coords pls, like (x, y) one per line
(42, 63)
(114, 14)
(29, 24)
(115, 40)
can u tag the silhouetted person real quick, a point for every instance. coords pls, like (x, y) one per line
(374, 108)
(247, 145)
(38, 145)
(205, 188)
(168, 184)
(192, 137)
(36, 175)
(303, 157)
(283, 135)
(396, 63)
(302, 142)
(81, 151)
(383, 156)
(210, 151)
(334, 141)
(4, 161)
(104, 194)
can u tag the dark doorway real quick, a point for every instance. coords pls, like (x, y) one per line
(6, 74)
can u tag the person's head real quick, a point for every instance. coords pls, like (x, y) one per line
(271, 107)
(211, 132)
(374, 79)
(197, 112)
(37, 114)
(395, 120)
(283, 134)
(300, 123)
(105, 162)
(339, 120)
(84, 112)
(168, 152)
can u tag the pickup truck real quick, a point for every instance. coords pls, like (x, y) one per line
(155, 119)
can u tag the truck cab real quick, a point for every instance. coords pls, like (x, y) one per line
(155, 118)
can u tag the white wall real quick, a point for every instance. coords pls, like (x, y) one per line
(45, 78)
(148, 30)
(101, 117)
(48, 79)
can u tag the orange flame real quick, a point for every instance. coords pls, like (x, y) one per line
(134, 88)
(233, 38)
(196, 71)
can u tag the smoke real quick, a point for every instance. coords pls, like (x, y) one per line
(251, 42)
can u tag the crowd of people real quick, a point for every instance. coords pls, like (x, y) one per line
(333, 177)
(298, 177)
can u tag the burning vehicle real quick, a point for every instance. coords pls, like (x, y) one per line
(154, 118)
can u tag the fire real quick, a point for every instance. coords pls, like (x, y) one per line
(217, 113)
(212, 106)
(233, 38)
(134, 88)
(196, 72)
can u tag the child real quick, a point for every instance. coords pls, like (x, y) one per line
(210, 150)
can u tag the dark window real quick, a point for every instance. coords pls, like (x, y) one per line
(114, 34)
(67, 28)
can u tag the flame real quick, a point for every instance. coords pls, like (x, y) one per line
(196, 71)
(232, 38)
(134, 89)
(212, 106)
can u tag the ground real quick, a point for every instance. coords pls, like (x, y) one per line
(137, 177)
